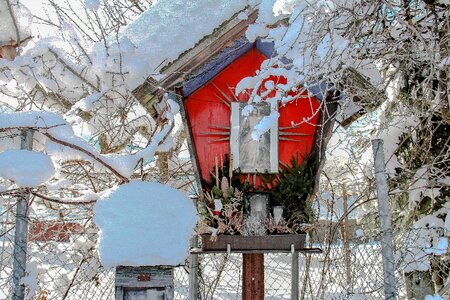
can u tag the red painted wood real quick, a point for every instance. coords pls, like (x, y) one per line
(204, 109)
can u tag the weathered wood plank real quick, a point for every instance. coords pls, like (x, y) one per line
(240, 243)
(304, 250)
(144, 277)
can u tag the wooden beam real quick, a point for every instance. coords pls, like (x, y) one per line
(219, 140)
(215, 133)
(190, 141)
(220, 127)
(294, 133)
(304, 250)
(253, 276)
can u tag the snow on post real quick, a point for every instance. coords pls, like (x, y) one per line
(144, 224)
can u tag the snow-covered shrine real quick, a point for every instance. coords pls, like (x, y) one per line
(199, 53)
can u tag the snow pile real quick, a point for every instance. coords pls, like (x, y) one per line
(144, 224)
(26, 168)
(31, 119)
(435, 297)
(359, 233)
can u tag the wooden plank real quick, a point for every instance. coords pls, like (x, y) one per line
(129, 277)
(323, 134)
(294, 134)
(244, 243)
(304, 250)
(214, 133)
(253, 276)
(190, 141)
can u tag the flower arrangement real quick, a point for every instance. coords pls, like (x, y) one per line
(225, 208)
(223, 213)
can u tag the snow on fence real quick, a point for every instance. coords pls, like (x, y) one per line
(62, 261)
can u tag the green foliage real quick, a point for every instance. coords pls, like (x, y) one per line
(293, 188)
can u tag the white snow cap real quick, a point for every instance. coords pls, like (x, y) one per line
(144, 224)
(26, 168)
(167, 28)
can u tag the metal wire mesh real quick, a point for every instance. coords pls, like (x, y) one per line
(7, 219)
(62, 261)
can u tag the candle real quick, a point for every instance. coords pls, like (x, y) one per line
(217, 172)
(217, 207)
(231, 167)
(277, 214)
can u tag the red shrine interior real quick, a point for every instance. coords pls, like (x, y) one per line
(208, 112)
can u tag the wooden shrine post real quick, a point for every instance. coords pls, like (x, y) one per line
(253, 276)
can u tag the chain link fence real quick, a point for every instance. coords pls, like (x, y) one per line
(62, 260)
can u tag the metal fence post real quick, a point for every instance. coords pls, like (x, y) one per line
(295, 276)
(385, 220)
(193, 271)
(21, 229)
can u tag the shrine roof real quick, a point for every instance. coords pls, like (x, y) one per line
(171, 27)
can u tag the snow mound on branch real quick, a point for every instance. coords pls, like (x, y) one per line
(63, 145)
(26, 168)
(35, 119)
(144, 224)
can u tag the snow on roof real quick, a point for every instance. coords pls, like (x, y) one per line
(170, 27)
